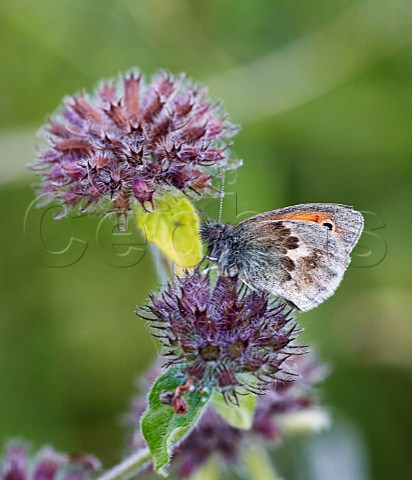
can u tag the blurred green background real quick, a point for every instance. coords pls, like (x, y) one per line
(323, 91)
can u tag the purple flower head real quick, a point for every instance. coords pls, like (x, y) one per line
(130, 140)
(46, 465)
(213, 436)
(223, 336)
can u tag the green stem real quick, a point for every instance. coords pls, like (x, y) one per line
(164, 266)
(128, 466)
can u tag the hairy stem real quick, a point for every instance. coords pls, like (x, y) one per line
(128, 466)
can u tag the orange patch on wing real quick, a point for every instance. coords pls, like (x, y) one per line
(315, 217)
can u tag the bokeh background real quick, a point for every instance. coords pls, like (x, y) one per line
(323, 91)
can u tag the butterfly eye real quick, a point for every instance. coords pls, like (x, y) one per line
(329, 225)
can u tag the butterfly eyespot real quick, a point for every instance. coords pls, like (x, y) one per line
(329, 225)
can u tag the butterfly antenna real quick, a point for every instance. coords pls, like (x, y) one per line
(222, 196)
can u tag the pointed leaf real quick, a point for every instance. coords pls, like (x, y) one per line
(163, 429)
(174, 227)
(237, 416)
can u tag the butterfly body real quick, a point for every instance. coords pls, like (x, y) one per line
(299, 253)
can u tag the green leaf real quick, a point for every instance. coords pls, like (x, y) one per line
(163, 429)
(208, 471)
(305, 422)
(259, 465)
(238, 416)
(174, 227)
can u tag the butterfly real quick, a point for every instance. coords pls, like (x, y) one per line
(299, 253)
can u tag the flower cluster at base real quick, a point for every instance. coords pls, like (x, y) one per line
(222, 335)
(46, 465)
(130, 140)
(213, 436)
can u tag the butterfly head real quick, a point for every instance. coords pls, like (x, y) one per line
(211, 232)
(214, 234)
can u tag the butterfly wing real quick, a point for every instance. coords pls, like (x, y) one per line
(299, 253)
(346, 223)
